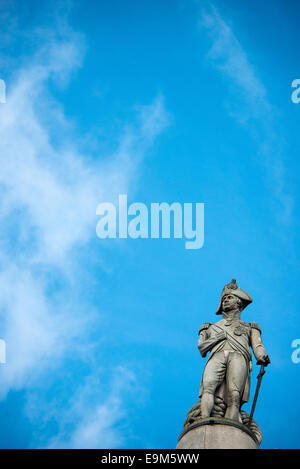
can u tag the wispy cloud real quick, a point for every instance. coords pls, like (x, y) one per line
(92, 420)
(229, 57)
(248, 103)
(49, 193)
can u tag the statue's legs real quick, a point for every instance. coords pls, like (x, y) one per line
(237, 371)
(213, 375)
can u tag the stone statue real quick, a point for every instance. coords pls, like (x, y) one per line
(225, 383)
(227, 372)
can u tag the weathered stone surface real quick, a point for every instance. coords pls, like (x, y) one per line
(229, 341)
(194, 417)
(217, 419)
(217, 436)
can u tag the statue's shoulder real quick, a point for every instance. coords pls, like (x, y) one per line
(220, 323)
(254, 325)
(246, 324)
(204, 326)
(243, 323)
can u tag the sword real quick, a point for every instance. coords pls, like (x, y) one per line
(259, 379)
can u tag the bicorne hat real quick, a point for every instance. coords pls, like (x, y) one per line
(233, 289)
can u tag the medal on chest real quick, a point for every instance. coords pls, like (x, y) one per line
(239, 329)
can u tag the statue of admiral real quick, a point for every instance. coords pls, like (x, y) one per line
(227, 371)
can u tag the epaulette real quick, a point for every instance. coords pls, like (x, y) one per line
(204, 326)
(244, 323)
(255, 326)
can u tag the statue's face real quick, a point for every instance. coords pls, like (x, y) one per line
(230, 302)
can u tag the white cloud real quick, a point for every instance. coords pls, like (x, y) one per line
(229, 56)
(49, 195)
(93, 424)
(249, 103)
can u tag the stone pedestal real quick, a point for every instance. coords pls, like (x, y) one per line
(217, 433)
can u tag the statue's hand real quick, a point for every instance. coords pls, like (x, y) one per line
(220, 336)
(264, 360)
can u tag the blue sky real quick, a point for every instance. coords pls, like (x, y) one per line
(164, 101)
